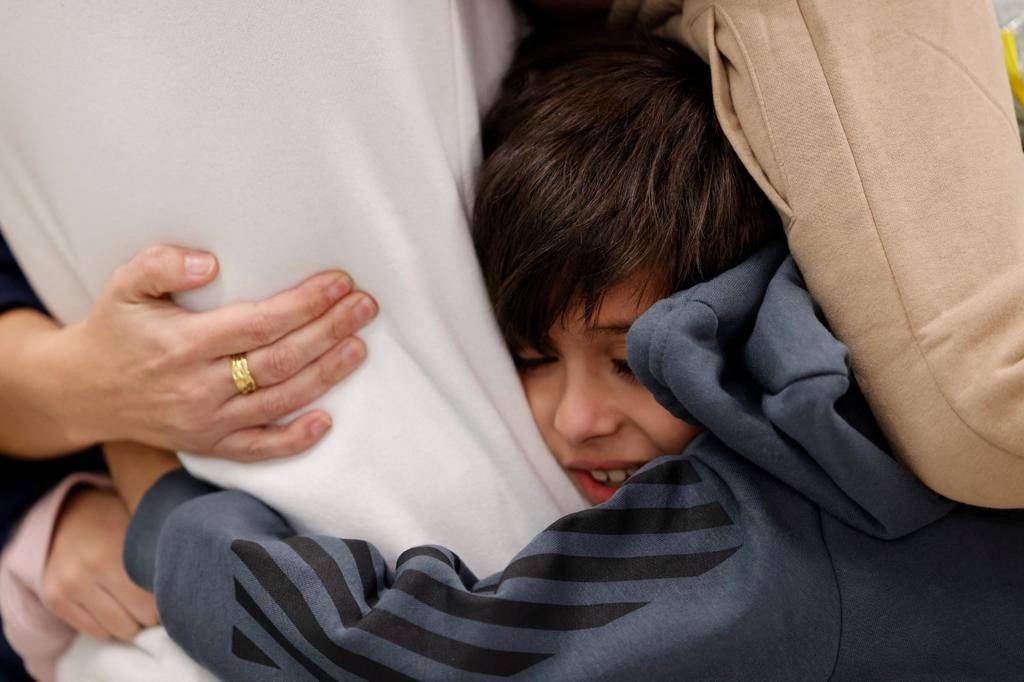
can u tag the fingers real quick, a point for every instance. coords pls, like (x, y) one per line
(138, 603)
(273, 403)
(79, 619)
(161, 270)
(267, 442)
(111, 615)
(245, 326)
(96, 613)
(84, 580)
(279, 361)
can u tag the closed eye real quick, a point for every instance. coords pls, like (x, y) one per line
(526, 364)
(622, 368)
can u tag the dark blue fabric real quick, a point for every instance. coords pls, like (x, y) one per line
(785, 543)
(15, 291)
(22, 482)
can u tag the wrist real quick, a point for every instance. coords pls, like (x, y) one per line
(67, 385)
(171, 491)
(134, 468)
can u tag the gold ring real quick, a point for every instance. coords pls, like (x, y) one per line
(240, 373)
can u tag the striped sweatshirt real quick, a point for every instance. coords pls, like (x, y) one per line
(784, 543)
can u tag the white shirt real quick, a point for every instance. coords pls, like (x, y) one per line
(289, 137)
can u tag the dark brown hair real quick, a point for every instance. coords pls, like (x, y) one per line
(603, 162)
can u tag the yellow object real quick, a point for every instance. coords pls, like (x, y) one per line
(1013, 65)
(240, 373)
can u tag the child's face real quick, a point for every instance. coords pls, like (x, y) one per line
(595, 417)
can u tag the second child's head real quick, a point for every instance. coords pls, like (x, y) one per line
(607, 184)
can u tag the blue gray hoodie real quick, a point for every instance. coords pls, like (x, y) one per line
(785, 543)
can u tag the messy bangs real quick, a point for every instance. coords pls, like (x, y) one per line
(604, 163)
(561, 276)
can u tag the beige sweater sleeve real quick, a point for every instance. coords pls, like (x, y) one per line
(884, 134)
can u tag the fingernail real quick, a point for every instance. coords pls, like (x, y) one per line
(198, 263)
(365, 309)
(351, 352)
(340, 286)
(320, 426)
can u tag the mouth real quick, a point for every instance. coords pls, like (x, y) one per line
(600, 484)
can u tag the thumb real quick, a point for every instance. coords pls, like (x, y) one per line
(161, 270)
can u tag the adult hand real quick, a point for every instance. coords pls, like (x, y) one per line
(84, 582)
(148, 370)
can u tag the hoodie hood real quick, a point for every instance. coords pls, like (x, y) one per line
(748, 356)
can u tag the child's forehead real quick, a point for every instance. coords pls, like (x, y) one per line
(614, 314)
(619, 306)
(611, 312)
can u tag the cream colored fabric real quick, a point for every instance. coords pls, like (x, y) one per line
(286, 142)
(884, 133)
(287, 138)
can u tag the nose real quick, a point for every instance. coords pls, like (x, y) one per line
(585, 411)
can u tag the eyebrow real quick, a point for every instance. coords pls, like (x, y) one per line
(612, 328)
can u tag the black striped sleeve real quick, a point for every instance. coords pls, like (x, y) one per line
(328, 608)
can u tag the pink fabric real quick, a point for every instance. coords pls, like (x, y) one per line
(39, 636)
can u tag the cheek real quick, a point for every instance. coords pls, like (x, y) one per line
(669, 434)
(542, 398)
(675, 436)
